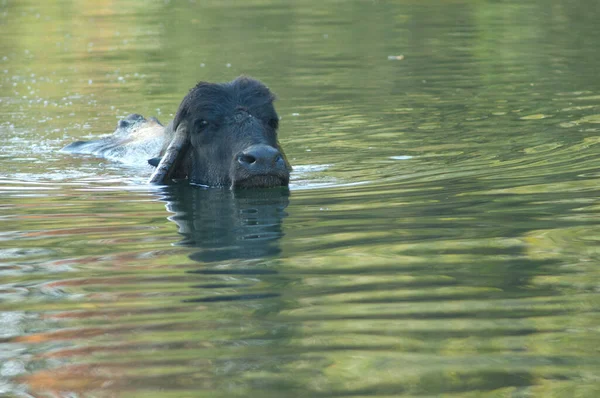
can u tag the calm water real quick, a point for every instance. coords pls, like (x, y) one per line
(441, 235)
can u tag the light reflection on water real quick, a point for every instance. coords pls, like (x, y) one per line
(439, 237)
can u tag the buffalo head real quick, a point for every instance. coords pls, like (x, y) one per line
(225, 135)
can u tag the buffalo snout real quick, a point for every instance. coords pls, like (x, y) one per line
(259, 165)
(260, 159)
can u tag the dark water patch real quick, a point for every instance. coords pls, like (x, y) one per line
(241, 297)
(234, 272)
(219, 286)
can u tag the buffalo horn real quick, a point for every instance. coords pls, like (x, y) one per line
(173, 155)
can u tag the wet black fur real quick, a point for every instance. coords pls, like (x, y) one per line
(224, 119)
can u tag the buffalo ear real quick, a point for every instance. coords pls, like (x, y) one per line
(154, 161)
(173, 156)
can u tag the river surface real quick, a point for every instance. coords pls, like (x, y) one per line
(441, 234)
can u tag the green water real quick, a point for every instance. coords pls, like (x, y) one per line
(440, 237)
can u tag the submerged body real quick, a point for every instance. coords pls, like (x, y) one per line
(135, 140)
(223, 135)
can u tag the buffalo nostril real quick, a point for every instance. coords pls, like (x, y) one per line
(247, 159)
(259, 159)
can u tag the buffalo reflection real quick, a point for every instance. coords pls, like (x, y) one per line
(225, 224)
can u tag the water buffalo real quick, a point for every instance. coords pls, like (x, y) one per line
(223, 135)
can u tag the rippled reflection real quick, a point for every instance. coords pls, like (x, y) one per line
(226, 224)
(441, 235)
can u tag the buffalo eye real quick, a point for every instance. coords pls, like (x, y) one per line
(202, 124)
(274, 123)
